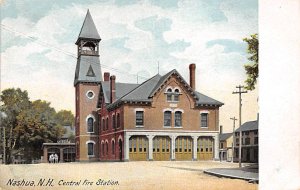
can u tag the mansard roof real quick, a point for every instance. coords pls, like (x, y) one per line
(88, 29)
(85, 66)
(144, 92)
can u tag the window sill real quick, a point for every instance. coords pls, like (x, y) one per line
(166, 126)
(139, 126)
(91, 156)
(204, 127)
(90, 132)
(178, 127)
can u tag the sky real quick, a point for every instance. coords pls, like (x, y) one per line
(38, 51)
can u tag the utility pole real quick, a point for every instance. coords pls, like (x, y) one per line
(2, 117)
(233, 136)
(240, 92)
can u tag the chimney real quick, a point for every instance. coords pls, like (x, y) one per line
(106, 76)
(221, 129)
(112, 88)
(192, 75)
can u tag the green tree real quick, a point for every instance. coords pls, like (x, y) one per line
(65, 118)
(252, 68)
(36, 126)
(13, 102)
(30, 124)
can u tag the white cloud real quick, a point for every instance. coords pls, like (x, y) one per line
(217, 72)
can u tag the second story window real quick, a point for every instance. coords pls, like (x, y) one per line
(139, 118)
(204, 120)
(90, 125)
(167, 118)
(178, 119)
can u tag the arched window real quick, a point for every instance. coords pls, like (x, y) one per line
(169, 94)
(113, 147)
(178, 119)
(167, 118)
(114, 122)
(102, 148)
(176, 95)
(106, 148)
(107, 123)
(103, 124)
(90, 125)
(118, 120)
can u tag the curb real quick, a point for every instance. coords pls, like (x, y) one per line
(249, 179)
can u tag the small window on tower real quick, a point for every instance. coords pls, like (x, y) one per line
(90, 94)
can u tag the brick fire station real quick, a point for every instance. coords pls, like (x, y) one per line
(163, 118)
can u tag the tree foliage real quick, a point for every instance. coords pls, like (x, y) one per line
(252, 68)
(30, 124)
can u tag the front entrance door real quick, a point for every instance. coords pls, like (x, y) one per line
(161, 148)
(138, 146)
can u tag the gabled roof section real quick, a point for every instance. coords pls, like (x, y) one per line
(248, 126)
(225, 136)
(142, 92)
(88, 29)
(164, 78)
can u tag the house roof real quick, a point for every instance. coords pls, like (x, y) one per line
(248, 126)
(144, 92)
(121, 89)
(88, 29)
(224, 136)
(85, 66)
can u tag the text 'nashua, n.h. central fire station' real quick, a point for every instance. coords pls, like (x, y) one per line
(163, 118)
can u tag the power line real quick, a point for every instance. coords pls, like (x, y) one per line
(45, 44)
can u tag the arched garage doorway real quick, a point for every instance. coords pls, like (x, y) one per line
(161, 148)
(205, 148)
(138, 148)
(183, 148)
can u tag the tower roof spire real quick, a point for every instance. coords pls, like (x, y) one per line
(88, 29)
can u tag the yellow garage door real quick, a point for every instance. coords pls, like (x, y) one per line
(138, 146)
(161, 148)
(183, 148)
(205, 148)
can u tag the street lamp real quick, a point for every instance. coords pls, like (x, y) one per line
(3, 116)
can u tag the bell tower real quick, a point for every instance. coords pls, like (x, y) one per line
(87, 79)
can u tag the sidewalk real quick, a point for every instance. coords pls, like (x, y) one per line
(249, 173)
